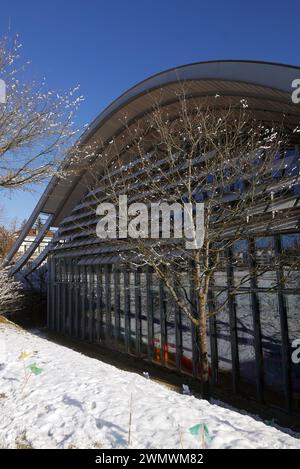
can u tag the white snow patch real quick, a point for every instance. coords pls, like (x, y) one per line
(77, 401)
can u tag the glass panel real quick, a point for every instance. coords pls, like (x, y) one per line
(220, 278)
(88, 292)
(132, 318)
(112, 303)
(116, 303)
(103, 302)
(170, 354)
(293, 316)
(156, 318)
(241, 270)
(223, 340)
(83, 305)
(57, 306)
(90, 303)
(93, 302)
(108, 331)
(122, 311)
(265, 257)
(144, 312)
(76, 289)
(271, 345)
(246, 348)
(98, 300)
(290, 244)
(186, 327)
(95, 282)
(69, 298)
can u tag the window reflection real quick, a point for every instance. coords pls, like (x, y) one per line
(156, 319)
(144, 313)
(293, 316)
(245, 334)
(265, 260)
(271, 345)
(223, 339)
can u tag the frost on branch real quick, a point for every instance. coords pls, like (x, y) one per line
(36, 124)
(11, 295)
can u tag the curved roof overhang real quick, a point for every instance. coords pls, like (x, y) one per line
(267, 87)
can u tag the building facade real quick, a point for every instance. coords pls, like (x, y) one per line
(95, 297)
(30, 238)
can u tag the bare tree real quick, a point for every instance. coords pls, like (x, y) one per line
(11, 295)
(7, 239)
(8, 234)
(36, 124)
(219, 156)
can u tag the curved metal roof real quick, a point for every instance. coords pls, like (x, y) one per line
(267, 84)
(267, 87)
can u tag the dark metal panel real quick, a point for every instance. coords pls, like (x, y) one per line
(127, 309)
(76, 288)
(52, 303)
(213, 339)
(138, 335)
(256, 324)
(58, 296)
(162, 310)
(178, 337)
(98, 303)
(117, 304)
(103, 305)
(83, 302)
(71, 296)
(285, 343)
(232, 322)
(90, 295)
(149, 302)
(194, 331)
(107, 270)
(63, 296)
(49, 281)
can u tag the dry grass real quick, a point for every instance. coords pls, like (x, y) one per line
(6, 322)
(98, 444)
(22, 442)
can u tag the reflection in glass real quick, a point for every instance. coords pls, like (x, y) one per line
(156, 318)
(170, 352)
(293, 316)
(271, 344)
(132, 307)
(122, 311)
(265, 257)
(144, 313)
(245, 334)
(223, 338)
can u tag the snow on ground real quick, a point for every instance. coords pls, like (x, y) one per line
(77, 401)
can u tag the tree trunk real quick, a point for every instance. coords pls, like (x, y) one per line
(203, 349)
(202, 329)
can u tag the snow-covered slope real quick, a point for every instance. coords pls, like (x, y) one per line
(71, 400)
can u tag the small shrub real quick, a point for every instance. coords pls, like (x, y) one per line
(22, 442)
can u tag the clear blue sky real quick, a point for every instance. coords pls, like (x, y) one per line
(109, 45)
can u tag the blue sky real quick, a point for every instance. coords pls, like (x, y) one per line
(108, 46)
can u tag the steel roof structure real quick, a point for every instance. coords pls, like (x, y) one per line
(266, 86)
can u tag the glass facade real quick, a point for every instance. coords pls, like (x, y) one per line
(250, 339)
